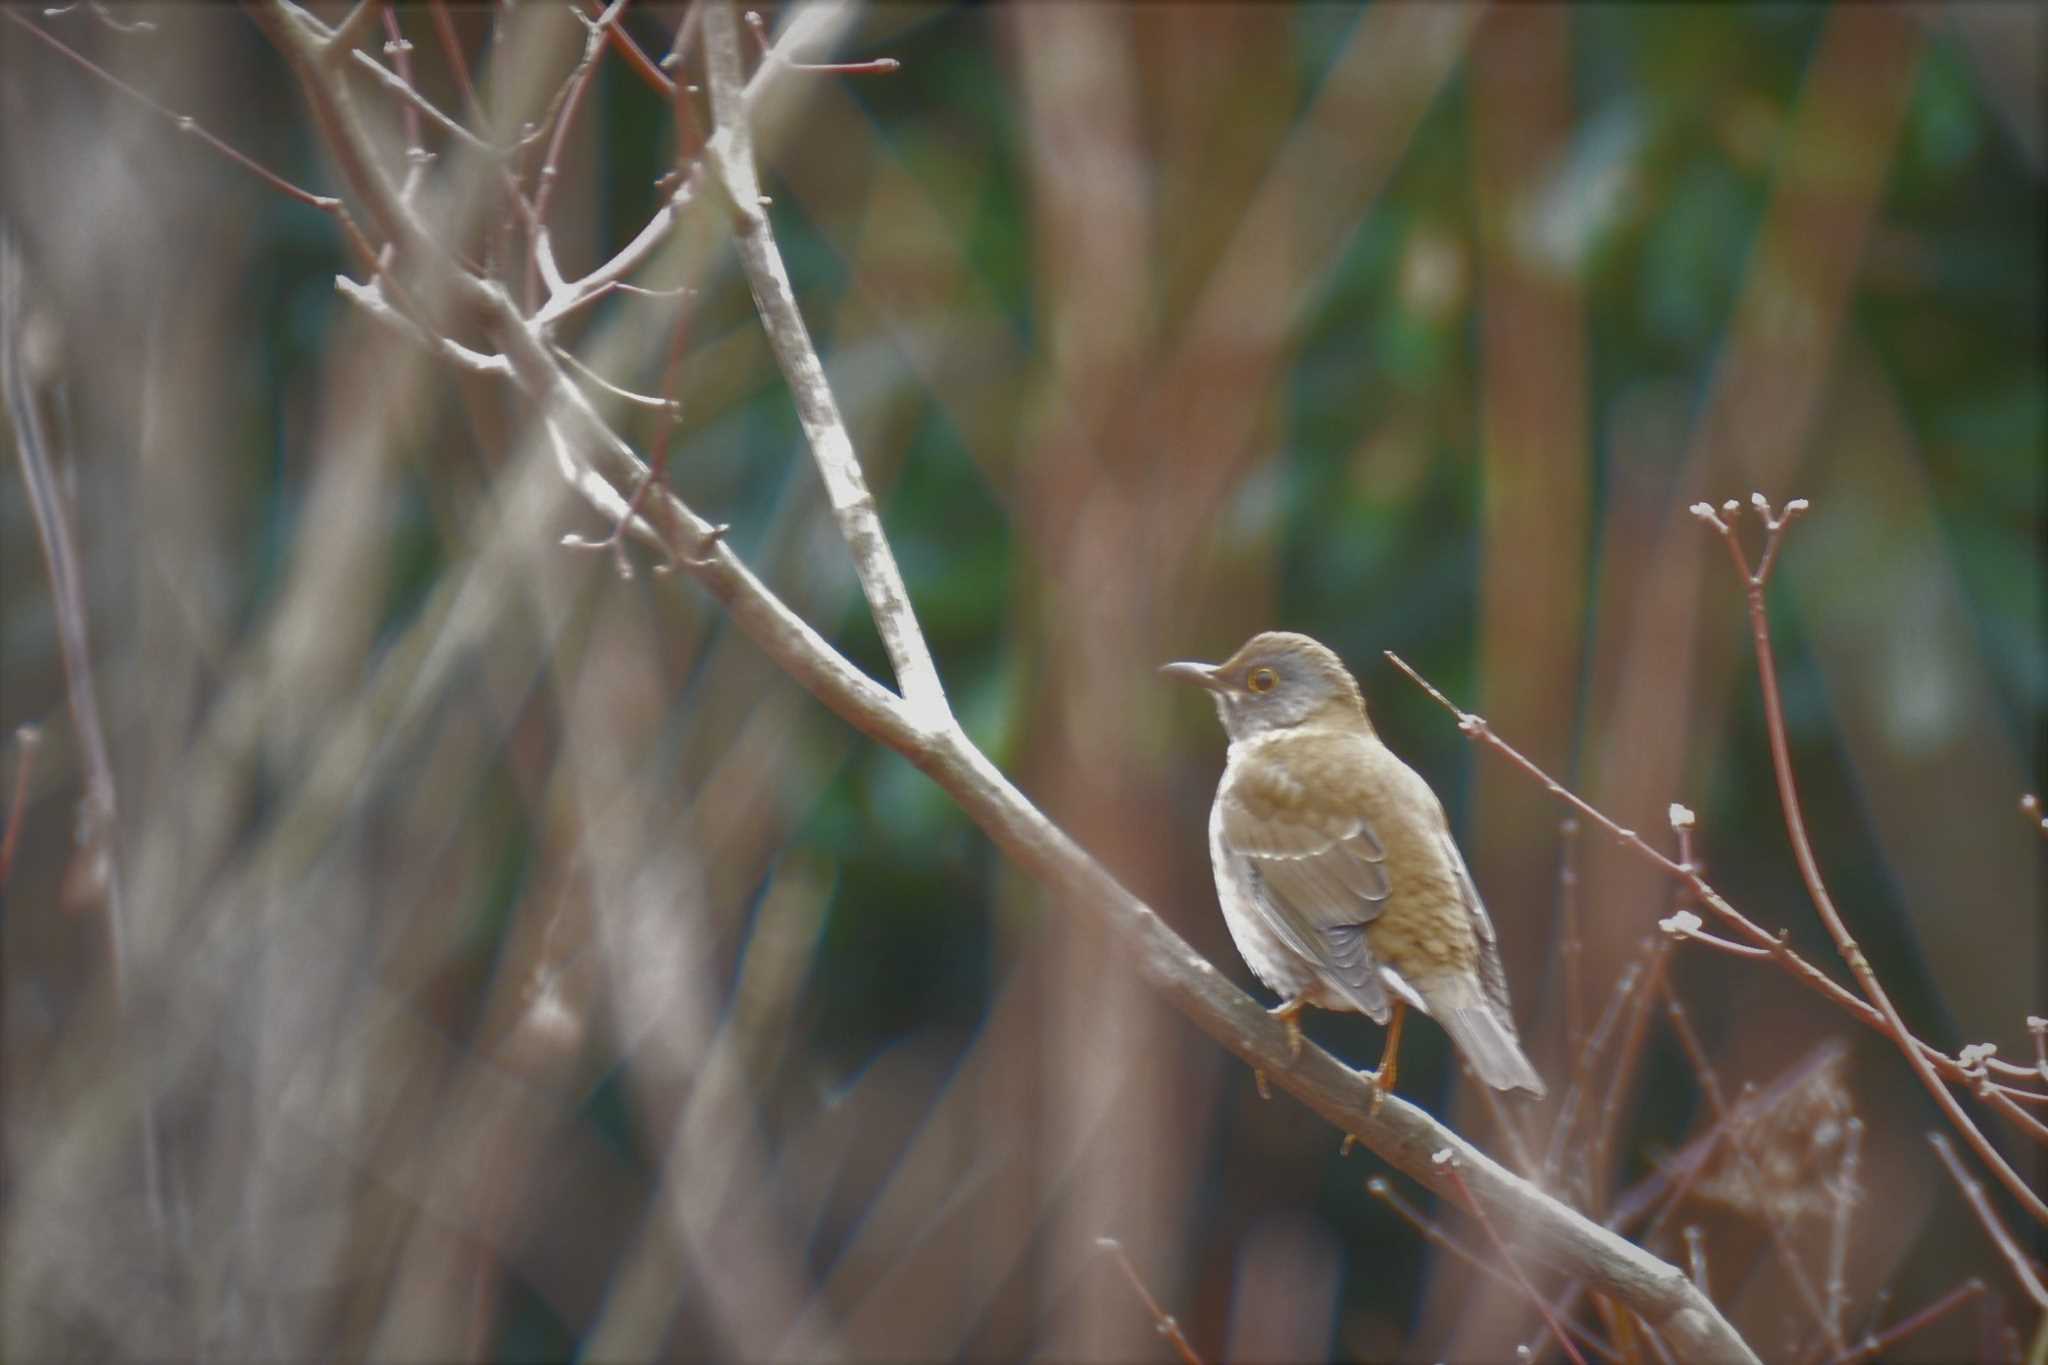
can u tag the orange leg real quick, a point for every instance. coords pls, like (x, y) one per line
(1285, 1012)
(1390, 1056)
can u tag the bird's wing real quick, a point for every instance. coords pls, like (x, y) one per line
(1493, 978)
(1319, 868)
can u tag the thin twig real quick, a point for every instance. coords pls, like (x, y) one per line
(580, 293)
(27, 739)
(1161, 1319)
(99, 820)
(643, 66)
(1450, 1164)
(666, 406)
(371, 300)
(1563, 1131)
(1994, 1227)
(182, 122)
(1875, 1347)
(1432, 1232)
(413, 100)
(1573, 947)
(1623, 1073)
(451, 45)
(561, 118)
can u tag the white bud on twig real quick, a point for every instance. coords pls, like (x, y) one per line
(1684, 924)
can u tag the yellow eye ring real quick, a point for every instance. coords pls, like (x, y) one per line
(1260, 680)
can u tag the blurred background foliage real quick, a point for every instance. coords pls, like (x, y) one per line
(1415, 329)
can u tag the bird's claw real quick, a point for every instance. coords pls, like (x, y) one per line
(1288, 1012)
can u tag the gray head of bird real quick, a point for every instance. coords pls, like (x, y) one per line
(1277, 681)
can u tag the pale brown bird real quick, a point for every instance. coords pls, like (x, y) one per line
(1339, 879)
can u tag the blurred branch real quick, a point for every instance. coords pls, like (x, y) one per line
(27, 739)
(1382, 1189)
(1507, 1256)
(98, 824)
(2001, 1237)
(1873, 1347)
(919, 726)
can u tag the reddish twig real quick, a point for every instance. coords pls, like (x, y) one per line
(182, 122)
(1980, 1204)
(644, 66)
(1874, 1347)
(1161, 1319)
(27, 739)
(1873, 989)
(451, 45)
(1449, 1162)
(1382, 1189)
(572, 100)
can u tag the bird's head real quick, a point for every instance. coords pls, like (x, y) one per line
(1277, 681)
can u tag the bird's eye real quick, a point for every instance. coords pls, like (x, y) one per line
(1260, 680)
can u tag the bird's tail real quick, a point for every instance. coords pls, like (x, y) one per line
(1489, 1043)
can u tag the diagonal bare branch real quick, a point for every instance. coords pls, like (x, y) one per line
(731, 152)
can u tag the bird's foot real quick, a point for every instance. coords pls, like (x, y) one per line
(1382, 1085)
(1383, 1079)
(1259, 1079)
(1288, 1012)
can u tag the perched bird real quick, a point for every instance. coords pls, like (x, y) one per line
(1338, 875)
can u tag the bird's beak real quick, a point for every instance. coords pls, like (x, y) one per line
(1202, 675)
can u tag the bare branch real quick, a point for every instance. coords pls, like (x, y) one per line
(371, 300)
(732, 155)
(98, 822)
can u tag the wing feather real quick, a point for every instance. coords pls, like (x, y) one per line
(1321, 877)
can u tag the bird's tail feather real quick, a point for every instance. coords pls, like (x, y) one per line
(1489, 1043)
